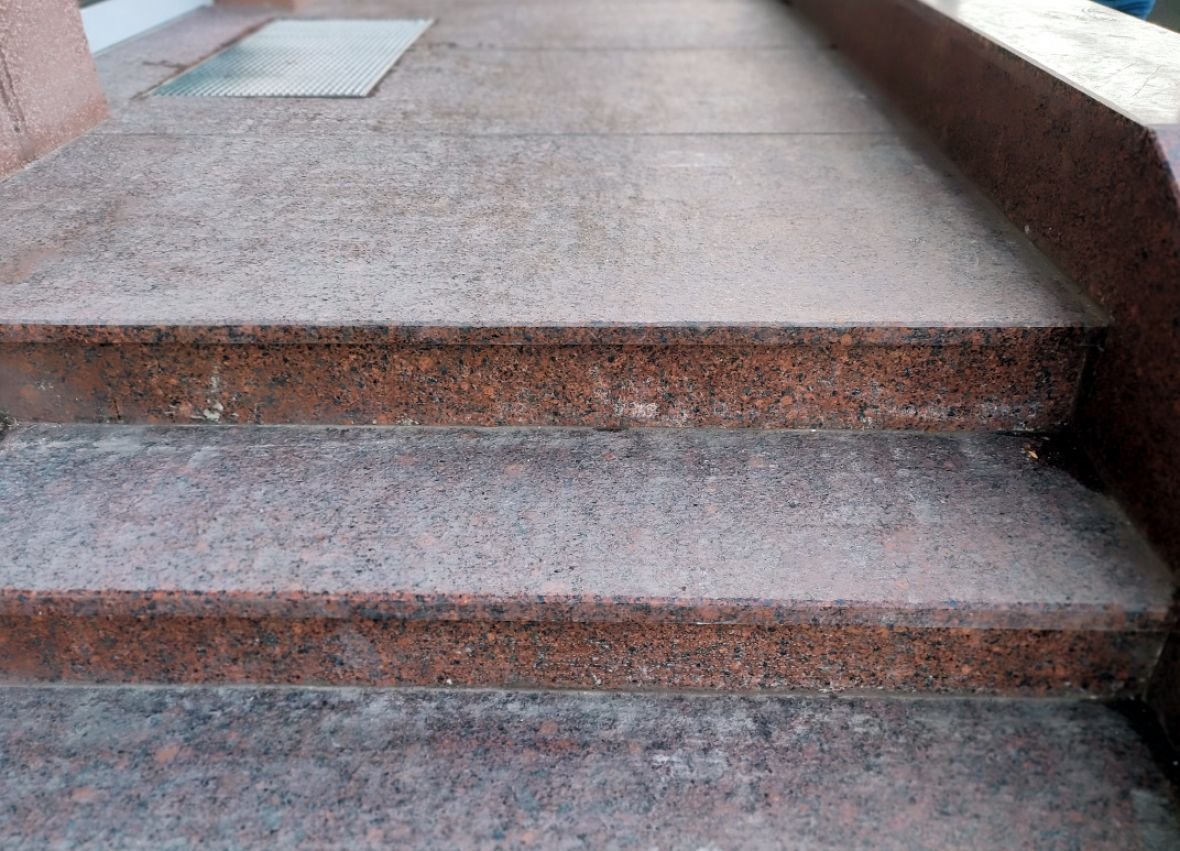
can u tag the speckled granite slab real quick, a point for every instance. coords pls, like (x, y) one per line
(546, 215)
(1072, 127)
(168, 768)
(683, 558)
(364, 287)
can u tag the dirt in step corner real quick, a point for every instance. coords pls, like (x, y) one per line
(1063, 451)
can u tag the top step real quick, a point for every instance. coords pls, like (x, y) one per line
(710, 236)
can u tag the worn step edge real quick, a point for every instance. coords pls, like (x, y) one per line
(362, 333)
(620, 656)
(396, 604)
(934, 379)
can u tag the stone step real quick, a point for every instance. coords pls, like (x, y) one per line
(691, 303)
(574, 218)
(650, 558)
(169, 767)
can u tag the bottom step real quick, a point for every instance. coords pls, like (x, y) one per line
(169, 768)
(567, 558)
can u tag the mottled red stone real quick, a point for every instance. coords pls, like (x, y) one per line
(994, 378)
(74, 349)
(1095, 191)
(49, 89)
(357, 651)
(646, 186)
(565, 525)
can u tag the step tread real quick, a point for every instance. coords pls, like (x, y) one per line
(674, 526)
(758, 239)
(248, 767)
(723, 188)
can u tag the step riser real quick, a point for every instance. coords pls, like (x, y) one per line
(1029, 381)
(147, 649)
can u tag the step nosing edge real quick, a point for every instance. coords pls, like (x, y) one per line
(688, 334)
(493, 608)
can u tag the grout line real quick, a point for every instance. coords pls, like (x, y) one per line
(801, 48)
(296, 134)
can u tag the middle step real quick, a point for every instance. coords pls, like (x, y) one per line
(543, 557)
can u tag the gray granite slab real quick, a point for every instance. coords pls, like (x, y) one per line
(152, 768)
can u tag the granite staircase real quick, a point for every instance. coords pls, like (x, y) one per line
(626, 379)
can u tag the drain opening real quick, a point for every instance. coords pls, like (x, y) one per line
(308, 59)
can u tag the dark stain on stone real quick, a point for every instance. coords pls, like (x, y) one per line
(1063, 451)
(1145, 721)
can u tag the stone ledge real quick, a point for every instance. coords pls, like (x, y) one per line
(1075, 135)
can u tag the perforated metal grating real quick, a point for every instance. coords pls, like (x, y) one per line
(343, 59)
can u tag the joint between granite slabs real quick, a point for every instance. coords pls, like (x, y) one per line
(703, 694)
(590, 334)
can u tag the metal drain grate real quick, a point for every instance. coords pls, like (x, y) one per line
(302, 59)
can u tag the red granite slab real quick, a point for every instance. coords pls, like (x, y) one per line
(1066, 114)
(651, 558)
(697, 307)
(61, 646)
(1078, 158)
(423, 769)
(1014, 379)
(567, 181)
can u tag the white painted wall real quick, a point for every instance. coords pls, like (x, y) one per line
(112, 21)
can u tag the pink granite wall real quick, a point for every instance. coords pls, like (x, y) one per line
(49, 89)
